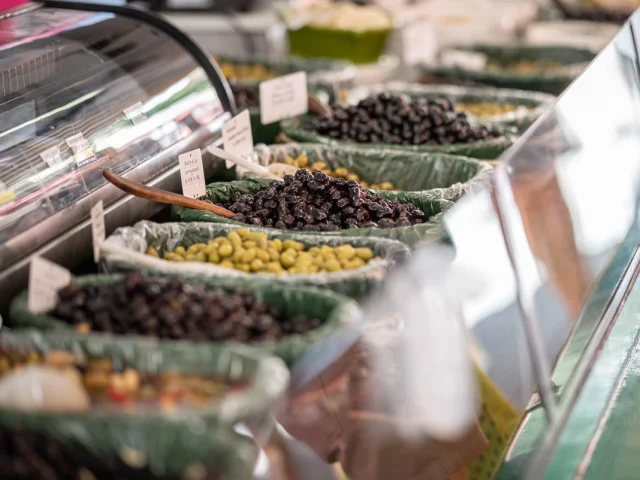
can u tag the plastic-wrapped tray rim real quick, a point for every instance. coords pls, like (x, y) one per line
(111, 253)
(539, 100)
(569, 71)
(344, 314)
(268, 376)
(436, 221)
(484, 170)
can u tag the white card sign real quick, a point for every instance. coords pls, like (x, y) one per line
(192, 174)
(237, 136)
(283, 97)
(51, 156)
(45, 279)
(98, 229)
(419, 43)
(135, 113)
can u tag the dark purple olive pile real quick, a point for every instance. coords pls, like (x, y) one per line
(314, 201)
(398, 120)
(245, 97)
(168, 308)
(26, 455)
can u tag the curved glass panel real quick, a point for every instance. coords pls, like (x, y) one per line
(81, 92)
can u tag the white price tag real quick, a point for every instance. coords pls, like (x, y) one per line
(464, 59)
(283, 97)
(135, 113)
(192, 174)
(45, 279)
(81, 149)
(419, 43)
(51, 156)
(98, 229)
(237, 136)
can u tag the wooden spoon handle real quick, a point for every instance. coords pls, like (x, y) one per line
(162, 196)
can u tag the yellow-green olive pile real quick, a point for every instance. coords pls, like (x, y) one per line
(254, 252)
(302, 161)
(488, 109)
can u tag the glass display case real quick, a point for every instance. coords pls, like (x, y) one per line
(85, 88)
(558, 318)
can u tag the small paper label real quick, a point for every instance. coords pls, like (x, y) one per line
(45, 279)
(464, 59)
(192, 174)
(135, 113)
(419, 43)
(97, 229)
(81, 149)
(51, 156)
(237, 136)
(283, 97)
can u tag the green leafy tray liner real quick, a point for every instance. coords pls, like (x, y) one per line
(432, 207)
(334, 310)
(125, 250)
(170, 443)
(438, 174)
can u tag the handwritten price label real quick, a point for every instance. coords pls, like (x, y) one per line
(283, 97)
(237, 136)
(192, 174)
(45, 279)
(97, 229)
(81, 149)
(51, 156)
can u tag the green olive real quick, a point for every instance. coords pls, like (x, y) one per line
(263, 255)
(287, 260)
(180, 251)
(153, 252)
(214, 257)
(276, 243)
(225, 250)
(364, 253)
(249, 255)
(227, 263)
(238, 254)
(256, 265)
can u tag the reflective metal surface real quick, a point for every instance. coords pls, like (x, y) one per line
(136, 96)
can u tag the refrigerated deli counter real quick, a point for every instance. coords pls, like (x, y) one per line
(85, 88)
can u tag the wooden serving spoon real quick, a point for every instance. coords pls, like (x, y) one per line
(162, 196)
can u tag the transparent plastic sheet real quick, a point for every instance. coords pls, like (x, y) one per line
(432, 207)
(296, 130)
(438, 175)
(402, 405)
(169, 441)
(574, 60)
(125, 250)
(333, 310)
(530, 104)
